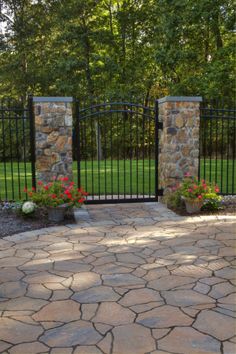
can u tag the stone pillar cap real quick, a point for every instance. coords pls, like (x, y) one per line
(180, 99)
(52, 99)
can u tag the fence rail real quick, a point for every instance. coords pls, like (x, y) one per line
(16, 149)
(218, 144)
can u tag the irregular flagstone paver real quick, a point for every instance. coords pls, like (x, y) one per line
(122, 280)
(186, 298)
(62, 311)
(106, 343)
(85, 280)
(170, 282)
(129, 279)
(140, 296)
(29, 348)
(10, 274)
(15, 332)
(113, 314)
(12, 289)
(87, 350)
(88, 311)
(186, 340)
(132, 338)
(23, 303)
(164, 316)
(208, 322)
(97, 294)
(74, 333)
(221, 290)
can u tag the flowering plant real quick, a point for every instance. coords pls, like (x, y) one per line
(59, 192)
(28, 208)
(194, 190)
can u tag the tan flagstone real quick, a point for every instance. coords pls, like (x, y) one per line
(132, 338)
(122, 280)
(71, 334)
(229, 348)
(96, 294)
(186, 298)
(170, 282)
(38, 291)
(43, 277)
(12, 290)
(105, 344)
(88, 311)
(61, 351)
(86, 350)
(15, 332)
(208, 322)
(85, 280)
(164, 317)
(113, 314)
(22, 303)
(160, 332)
(189, 341)
(61, 311)
(10, 274)
(29, 348)
(140, 296)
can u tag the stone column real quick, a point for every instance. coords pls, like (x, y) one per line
(179, 140)
(53, 137)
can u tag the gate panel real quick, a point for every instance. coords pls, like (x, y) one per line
(117, 152)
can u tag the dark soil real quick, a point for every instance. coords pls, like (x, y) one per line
(12, 223)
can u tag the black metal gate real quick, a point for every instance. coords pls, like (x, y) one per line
(17, 148)
(116, 148)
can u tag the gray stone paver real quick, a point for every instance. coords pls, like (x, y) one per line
(131, 278)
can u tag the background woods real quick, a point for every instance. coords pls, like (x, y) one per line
(104, 48)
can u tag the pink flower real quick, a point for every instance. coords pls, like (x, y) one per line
(190, 190)
(217, 189)
(199, 197)
(40, 183)
(195, 187)
(187, 174)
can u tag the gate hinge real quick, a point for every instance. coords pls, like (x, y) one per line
(160, 125)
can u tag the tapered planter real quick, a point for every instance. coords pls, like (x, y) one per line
(192, 205)
(57, 214)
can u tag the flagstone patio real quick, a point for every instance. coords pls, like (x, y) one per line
(127, 279)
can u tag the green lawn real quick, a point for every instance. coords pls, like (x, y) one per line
(117, 177)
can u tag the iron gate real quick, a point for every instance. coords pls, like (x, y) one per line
(116, 148)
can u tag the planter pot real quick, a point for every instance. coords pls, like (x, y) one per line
(193, 206)
(57, 214)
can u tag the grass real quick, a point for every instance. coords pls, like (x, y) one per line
(117, 177)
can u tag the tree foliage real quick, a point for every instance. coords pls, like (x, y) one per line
(111, 48)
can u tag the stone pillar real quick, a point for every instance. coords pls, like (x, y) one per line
(179, 140)
(53, 137)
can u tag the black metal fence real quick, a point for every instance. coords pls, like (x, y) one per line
(218, 144)
(117, 151)
(17, 161)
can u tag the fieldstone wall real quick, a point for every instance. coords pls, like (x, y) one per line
(53, 133)
(179, 140)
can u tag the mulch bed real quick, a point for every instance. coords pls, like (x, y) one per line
(11, 223)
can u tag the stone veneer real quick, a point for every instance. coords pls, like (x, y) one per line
(179, 140)
(53, 131)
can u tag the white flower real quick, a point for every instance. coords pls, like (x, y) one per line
(28, 207)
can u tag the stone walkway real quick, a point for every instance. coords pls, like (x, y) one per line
(129, 279)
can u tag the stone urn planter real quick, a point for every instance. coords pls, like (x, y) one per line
(57, 214)
(192, 205)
